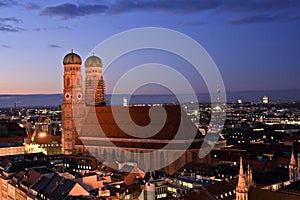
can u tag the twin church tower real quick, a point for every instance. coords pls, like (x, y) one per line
(84, 110)
(74, 96)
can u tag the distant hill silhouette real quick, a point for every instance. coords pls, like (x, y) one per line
(32, 100)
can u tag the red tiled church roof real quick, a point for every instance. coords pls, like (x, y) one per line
(177, 125)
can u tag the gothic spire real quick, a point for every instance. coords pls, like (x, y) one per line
(241, 187)
(293, 159)
(249, 176)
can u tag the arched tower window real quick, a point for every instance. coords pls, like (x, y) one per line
(96, 153)
(151, 161)
(104, 154)
(132, 156)
(113, 154)
(123, 156)
(142, 160)
(162, 158)
(68, 81)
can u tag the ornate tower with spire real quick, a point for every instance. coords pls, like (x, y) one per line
(94, 83)
(241, 188)
(249, 176)
(293, 169)
(73, 101)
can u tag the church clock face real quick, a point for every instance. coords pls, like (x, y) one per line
(79, 96)
(67, 96)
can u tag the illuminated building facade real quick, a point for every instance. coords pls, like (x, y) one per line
(80, 111)
(73, 97)
(265, 100)
(244, 182)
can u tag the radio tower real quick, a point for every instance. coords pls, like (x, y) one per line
(219, 93)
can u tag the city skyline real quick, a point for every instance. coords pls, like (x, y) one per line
(254, 44)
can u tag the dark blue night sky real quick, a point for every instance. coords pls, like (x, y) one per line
(255, 44)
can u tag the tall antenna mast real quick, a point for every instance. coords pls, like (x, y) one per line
(219, 93)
